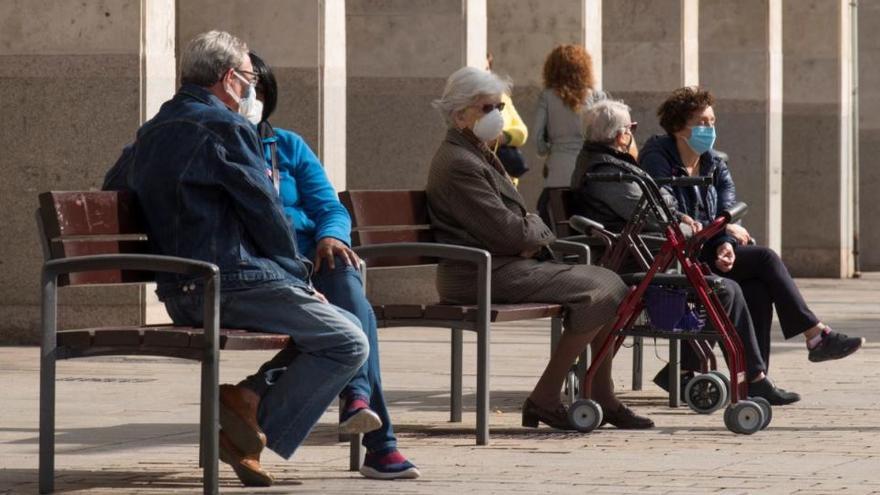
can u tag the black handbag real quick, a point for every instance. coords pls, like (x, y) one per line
(513, 161)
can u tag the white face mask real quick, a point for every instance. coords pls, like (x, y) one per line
(249, 106)
(489, 126)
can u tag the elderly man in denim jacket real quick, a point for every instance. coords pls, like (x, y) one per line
(200, 179)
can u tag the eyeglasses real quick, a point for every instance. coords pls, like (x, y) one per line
(250, 76)
(489, 107)
(632, 126)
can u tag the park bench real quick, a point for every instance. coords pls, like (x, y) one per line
(98, 238)
(391, 229)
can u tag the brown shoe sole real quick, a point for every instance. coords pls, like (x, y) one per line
(247, 475)
(243, 436)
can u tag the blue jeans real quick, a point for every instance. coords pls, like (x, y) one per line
(327, 348)
(344, 287)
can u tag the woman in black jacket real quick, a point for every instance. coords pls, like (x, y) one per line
(686, 150)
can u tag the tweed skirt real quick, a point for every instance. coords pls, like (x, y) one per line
(589, 294)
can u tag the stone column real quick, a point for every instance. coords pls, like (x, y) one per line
(400, 53)
(869, 134)
(521, 34)
(79, 78)
(817, 141)
(740, 46)
(650, 49)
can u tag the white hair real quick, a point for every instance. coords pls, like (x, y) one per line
(209, 55)
(605, 118)
(464, 87)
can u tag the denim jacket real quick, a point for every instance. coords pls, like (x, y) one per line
(198, 173)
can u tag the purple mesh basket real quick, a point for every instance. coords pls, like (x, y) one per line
(691, 321)
(665, 306)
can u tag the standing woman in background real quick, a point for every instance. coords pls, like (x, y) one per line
(568, 84)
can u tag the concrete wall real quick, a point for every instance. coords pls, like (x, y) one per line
(285, 33)
(869, 134)
(735, 64)
(400, 53)
(644, 58)
(70, 80)
(816, 228)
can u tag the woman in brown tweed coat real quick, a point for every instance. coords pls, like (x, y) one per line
(472, 202)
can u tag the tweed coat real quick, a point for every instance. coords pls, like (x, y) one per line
(471, 203)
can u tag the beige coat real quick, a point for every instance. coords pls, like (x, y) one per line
(470, 203)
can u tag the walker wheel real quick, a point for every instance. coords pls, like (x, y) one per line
(745, 417)
(585, 415)
(572, 386)
(705, 393)
(765, 407)
(726, 381)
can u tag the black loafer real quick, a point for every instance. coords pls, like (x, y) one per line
(533, 413)
(774, 395)
(835, 346)
(625, 418)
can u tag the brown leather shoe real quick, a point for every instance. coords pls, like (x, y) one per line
(246, 466)
(238, 418)
(625, 418)
(532, 413)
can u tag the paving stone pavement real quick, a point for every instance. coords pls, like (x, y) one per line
(129, 425)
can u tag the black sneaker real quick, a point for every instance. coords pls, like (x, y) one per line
(661, 379)
(774, 395)
(835, 346)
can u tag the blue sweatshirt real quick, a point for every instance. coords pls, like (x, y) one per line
(309, 200)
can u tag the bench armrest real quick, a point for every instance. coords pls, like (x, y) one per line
(209, 272)
(480, 257)
(143, 262)
(582, 251)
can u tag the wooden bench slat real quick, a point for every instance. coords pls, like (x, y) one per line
(392, 311)
(166, 336)
(499, 312)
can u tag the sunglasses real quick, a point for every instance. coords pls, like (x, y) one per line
(489, 107)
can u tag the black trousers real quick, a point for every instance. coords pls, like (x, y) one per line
(734, 304)
(766, 283)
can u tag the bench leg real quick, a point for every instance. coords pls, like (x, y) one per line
(47, 421)
(483, 386)
(355, 452)
(47, 384)
(674, 372)
(210, 417)
(638, 362)
(455, 396)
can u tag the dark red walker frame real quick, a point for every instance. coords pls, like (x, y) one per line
(742, 416)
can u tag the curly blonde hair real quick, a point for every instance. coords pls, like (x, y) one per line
(568, 71)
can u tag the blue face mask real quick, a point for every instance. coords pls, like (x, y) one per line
(702, 138)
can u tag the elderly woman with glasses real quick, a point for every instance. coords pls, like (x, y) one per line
(472, 202)
(610, 147)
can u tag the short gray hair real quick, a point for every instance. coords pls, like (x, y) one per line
(604, 119)
(464, 87)
(209, 55)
